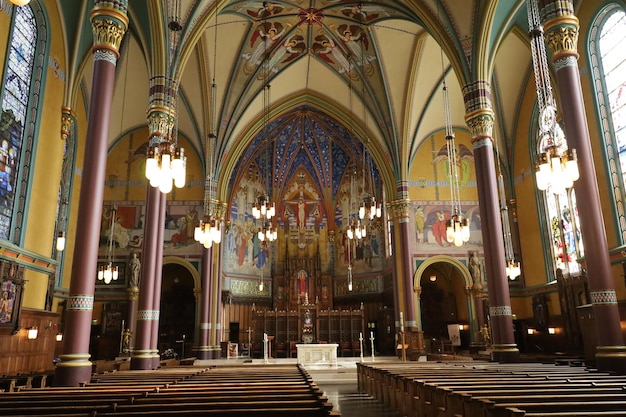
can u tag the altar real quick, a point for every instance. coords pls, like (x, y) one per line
(317, 353)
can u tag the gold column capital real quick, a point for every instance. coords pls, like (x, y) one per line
(109, 21)
(399, 208)
(67, 120)
(561, 35)
(161, 121)
(480, 124)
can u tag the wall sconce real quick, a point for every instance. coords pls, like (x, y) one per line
(551, 330)
(59, 337)
(433, 278)
(530, 331)
(32, 333)
(60, 241)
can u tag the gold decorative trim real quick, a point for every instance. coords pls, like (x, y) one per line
(67, 120)
(562, 37)
(480, 124)
(160, 122)
(399, 208)
(107, 34)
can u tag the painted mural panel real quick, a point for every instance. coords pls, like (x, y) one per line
(430, 190)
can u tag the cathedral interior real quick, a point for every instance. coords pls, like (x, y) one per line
(345, 170)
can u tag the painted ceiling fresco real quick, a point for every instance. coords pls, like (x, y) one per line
(332, 32)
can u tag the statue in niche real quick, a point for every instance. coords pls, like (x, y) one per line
(303, 282)
(307, 327)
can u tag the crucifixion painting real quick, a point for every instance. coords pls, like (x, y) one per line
(301, 208)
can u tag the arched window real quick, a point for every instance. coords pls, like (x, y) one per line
(561, 213)
(18, 110)
(608, 62)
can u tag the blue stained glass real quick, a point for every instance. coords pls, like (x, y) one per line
(21, 57)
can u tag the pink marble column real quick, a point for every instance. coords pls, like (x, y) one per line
(479, 118)
(403, 244)
(158, 279)
(561, 29)
(142, 354)
(109, 22)
(203, 348)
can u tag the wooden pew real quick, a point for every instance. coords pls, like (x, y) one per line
(229, 391)
(485, 390)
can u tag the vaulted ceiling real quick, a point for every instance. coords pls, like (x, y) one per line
(373, 68)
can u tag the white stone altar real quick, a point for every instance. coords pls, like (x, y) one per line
(317, 353)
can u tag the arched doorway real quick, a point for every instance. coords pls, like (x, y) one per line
(444, 287)
(177, 317)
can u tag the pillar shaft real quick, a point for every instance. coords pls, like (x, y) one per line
(141, 358)
(479, 118)
(404, 267)
(203, 350)
(158, 279)
(109, 22)
(561, 29)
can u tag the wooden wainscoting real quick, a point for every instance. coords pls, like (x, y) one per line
(21, 355)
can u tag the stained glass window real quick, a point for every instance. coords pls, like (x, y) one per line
(608, 61)
(562, 214)
(15, 96)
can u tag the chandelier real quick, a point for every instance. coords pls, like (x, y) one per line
(513, 269)
(109, 272)
(208, 231)
(267, 232)
(166, 163)
(457, 227)
(356, 229)
(263, 209)
(557, 166)
(368, 207)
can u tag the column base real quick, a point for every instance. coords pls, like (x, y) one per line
(416, 344)
(73, 370)
(216, 352)
(505, 353)
(475, 347)
(611, 359)
(141, 360)
(202, 352)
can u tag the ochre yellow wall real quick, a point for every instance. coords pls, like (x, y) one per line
(424, 169)
(128, 168)
(46, 173)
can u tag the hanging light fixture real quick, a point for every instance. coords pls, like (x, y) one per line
(513, 269)
(208, 231)
(166, 163)
(557, 166)
(356, 229)
(109, 272)
(349, 268)
(369, 208)
(263, 208)
(457, 227)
